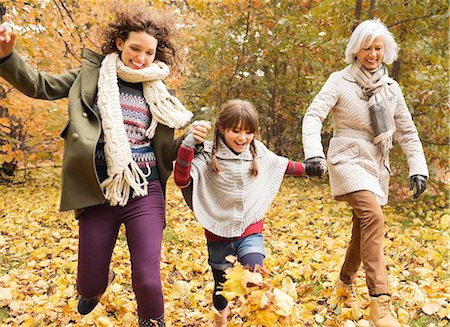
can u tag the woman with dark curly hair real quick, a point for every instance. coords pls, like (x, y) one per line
(119, 148)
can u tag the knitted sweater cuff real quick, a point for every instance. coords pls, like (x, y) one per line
(182, 171)
(189, 141)
(295, 168)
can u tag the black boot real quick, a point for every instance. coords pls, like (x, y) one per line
(152, 322)
(85, 306)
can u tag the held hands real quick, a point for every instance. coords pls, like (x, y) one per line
(199, 129)
(315, 166)
(419, 182)
(7, 40)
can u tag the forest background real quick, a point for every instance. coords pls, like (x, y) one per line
(277, 54)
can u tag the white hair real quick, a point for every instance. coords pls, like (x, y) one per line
(364, 35)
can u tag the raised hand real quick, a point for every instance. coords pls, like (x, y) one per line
(7, 41)
(200, 129)
(419, 182)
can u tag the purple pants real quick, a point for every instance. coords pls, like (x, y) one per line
(144, 219)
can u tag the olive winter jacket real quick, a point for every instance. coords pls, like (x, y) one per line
(80, 183)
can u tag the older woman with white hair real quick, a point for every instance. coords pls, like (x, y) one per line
(368, 111)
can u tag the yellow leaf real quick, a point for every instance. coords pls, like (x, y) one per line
(431, 307)
(444, 312)
(319, 318)
(104, 322)
(30, 322)
(403, 315)
(180, 289)
(266, 317)
(445, 222)
(265, 299)
(288, 286)
(5, 294)
(284, 303)
(250, 278)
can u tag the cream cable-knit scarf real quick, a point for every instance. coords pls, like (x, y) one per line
(124, 175)
(374, 87)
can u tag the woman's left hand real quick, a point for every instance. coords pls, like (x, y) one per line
(419, 182)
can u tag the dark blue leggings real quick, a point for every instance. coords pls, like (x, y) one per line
(144, 219)
(249, 260)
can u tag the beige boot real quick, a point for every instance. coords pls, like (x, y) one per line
(381, 312)
(220, 319)
(347, 292)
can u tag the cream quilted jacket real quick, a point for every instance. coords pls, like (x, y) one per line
(354, 162)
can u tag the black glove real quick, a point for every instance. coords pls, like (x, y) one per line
(420, 182)
(314, 166)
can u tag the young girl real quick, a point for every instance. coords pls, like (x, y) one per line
(230, 184)
(119, 148)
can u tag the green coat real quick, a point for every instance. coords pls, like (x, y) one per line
(80, 183)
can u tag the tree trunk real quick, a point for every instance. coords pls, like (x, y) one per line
(371, 8)
(397, 64)
(358, 10)
(396, 69)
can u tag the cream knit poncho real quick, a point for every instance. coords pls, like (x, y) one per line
(226, 203)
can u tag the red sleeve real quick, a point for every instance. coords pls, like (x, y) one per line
(182, 171)
(294, 168)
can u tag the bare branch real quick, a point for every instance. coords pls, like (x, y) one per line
(434, 143)
(437, 12)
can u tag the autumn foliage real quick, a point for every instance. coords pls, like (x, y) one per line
(276, 54)
(306, 235)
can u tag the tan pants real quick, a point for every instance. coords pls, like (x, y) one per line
(366, 244)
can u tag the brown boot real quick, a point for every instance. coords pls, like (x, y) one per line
(220, 319)
(381, 312)
(347, 292)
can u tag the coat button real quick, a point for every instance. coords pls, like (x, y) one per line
(84, 114)
(75, 136)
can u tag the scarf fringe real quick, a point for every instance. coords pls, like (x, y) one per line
(117, 188)
(171, 110)
(384, 141)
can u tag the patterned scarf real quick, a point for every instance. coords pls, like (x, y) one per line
(124, 175)
(374, 87)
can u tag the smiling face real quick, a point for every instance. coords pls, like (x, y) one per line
(138, 50)
(371, 56)
(238, 139)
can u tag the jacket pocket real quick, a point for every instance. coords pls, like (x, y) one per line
(342, 151)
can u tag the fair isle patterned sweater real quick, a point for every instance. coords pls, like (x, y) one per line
(136, 118)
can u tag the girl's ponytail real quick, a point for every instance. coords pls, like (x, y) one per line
(215, 165)
(254, 168)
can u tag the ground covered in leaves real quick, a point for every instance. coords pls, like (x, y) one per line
(305, 235)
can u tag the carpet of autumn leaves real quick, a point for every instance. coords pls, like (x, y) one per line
(305, 232)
